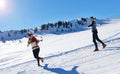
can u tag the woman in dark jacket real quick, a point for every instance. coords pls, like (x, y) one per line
(95, 34)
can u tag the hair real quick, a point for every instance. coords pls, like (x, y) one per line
(92, 17)
(29, 34)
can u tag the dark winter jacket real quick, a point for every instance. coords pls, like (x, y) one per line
(93, 25)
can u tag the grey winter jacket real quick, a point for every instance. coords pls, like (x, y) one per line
(93, 25)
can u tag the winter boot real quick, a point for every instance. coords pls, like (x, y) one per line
(96, 50)
(39, 64)
(42, 60)
(104, 45)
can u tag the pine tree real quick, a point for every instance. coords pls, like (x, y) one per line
(15, 33)
(59, 24)
(43, 27)
(62, 30)
(9, 34)
(2, 38)
(35, 30)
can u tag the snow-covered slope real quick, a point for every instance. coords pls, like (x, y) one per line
(70, 53)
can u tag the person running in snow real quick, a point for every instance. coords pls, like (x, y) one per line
(95, 34)
(35, 48)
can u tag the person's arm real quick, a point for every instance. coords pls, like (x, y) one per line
(91, 24)
(28, 42)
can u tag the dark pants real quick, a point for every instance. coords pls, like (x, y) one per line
(95, 37)
(36, 54)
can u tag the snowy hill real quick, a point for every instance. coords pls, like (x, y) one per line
(60, 27)
(70, 53)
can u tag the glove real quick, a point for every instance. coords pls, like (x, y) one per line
(41, 40)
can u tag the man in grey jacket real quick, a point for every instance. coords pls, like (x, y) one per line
(95, 34)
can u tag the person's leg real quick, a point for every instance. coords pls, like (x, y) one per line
(36, 55)
(98, 39)
(94, 41)
(40, 57)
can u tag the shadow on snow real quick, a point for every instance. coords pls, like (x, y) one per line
(61, 71)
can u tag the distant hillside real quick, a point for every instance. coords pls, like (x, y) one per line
(60, 27)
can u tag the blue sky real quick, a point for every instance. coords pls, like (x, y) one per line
(22, 14)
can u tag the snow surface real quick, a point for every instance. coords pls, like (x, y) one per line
(70, 53)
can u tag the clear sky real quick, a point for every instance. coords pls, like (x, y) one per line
(20, 14)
